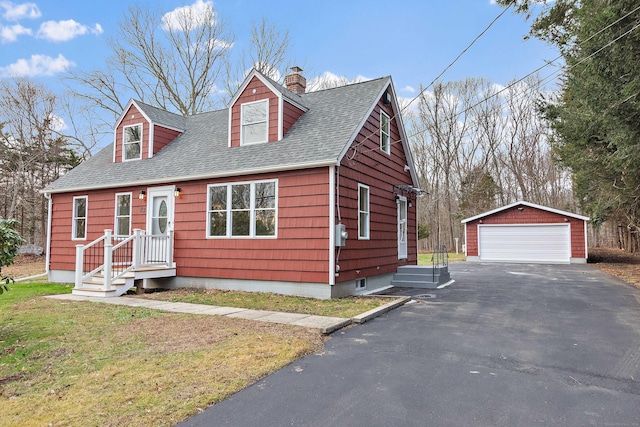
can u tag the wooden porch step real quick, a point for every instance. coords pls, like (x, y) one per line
(101, 282)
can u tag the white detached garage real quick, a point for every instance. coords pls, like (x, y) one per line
(526, 232)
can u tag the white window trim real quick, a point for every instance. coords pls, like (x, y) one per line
(368, 211)
(242, 123)
(74, 218)
(363, 281)
(382, 133)
(115, 218)
(252, 210)
(124, 142)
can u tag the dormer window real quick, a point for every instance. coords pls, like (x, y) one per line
(255, 127)
(132, 142)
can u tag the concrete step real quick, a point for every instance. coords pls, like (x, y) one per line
(92, 292)
(420, 269)
(420, 276)
(414, 284)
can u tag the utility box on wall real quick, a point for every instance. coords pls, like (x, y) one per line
(341, 235)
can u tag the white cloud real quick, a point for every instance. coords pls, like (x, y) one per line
(409, 89)
(62, 31)
(36, 66)
(330, 80)
(220, 45)
(14, 12)
(11, 33)
(196, 15)
(57, 123)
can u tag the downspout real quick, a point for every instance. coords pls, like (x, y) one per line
(49, 214)
(332, 225)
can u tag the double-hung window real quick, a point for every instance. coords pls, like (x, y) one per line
(385, 139)
(363, 212)
(255, 127)
(132, 142)
(79, 218)
(123, 215)
(245, 209)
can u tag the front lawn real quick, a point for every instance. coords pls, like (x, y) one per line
(87, 364)
(339, 307)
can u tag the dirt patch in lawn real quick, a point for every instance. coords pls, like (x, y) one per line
(618, 263)
(25, 266)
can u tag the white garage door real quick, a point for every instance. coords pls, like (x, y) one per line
(525, 243)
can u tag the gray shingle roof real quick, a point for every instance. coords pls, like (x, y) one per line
(318, 137)
(163, 117)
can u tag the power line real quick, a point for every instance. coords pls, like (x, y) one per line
(442, 73)
(548, 63)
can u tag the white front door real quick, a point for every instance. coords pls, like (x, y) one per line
(402, 227)
(159, 222)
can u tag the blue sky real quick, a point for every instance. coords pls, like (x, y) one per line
(411, 40)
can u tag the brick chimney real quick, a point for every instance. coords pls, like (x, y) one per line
(295, 81)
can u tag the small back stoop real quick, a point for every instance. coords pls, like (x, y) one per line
(420, 276)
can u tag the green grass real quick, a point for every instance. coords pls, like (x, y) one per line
(425, 259)
(79, 363)
(339, 307)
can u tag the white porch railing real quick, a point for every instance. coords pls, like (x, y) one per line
(114, 261)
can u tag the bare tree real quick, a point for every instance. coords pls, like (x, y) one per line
(267, 52)
(33, 153)
(479, 146)
(172, 60)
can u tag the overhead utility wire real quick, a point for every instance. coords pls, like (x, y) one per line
(549, 63)
(457, 57)
(439, 75)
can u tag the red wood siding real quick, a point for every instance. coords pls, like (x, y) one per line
(248, 95)
(366, 164)
(162, 136)
(133, 117)
(289, 116)
(528, 215)
(300, 253)
(101, 216)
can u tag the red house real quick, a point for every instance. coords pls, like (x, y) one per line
(526, 232)
(284, 191)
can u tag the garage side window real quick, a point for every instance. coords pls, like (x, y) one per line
(79, 225)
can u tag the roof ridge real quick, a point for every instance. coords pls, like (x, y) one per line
(349, 85)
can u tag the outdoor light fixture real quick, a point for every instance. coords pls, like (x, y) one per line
(142, 195)
(177, 192)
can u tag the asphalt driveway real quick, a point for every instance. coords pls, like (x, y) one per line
(505, 345)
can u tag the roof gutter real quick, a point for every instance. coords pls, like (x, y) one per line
(173, 179)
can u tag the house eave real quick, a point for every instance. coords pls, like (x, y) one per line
(174, 179)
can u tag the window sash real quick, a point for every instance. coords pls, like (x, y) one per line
(122, 226)
(79, 218)
(246, 209)
(385, 139)
(363, 212)
(255, 128)
(132, 142)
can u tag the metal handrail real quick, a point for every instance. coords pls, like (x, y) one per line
(439, 258)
